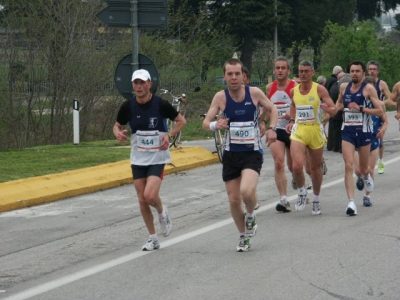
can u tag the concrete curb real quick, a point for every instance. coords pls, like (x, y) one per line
(37, 190)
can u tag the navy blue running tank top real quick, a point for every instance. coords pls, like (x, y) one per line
(356, 121)
(244, 130)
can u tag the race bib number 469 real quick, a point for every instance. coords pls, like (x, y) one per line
(148, 140)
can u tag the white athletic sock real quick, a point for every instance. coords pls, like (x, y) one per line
(162, 215)
(302, 190)
(153, 236)
(251, 214)
(316, 198)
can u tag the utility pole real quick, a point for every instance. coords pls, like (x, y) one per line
(275, 37)
(135, 35)
(276, 31)
(134, 14)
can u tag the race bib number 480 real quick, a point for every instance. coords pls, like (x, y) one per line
(242, 132)
(148, 140)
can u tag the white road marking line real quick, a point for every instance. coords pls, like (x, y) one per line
(53, 284)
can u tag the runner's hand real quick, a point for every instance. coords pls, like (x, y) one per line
(164, 142)
(122, 135)
(271, 137)
(222, 124)
(289, 128)
(262, 129)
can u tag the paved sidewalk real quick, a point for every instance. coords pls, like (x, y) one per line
(37, 190)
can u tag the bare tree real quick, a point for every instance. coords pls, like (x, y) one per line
(54, 51)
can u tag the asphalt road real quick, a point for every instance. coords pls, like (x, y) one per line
(88, 247)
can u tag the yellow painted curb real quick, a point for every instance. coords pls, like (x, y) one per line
(37, 190)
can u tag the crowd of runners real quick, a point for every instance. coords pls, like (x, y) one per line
(291, 114)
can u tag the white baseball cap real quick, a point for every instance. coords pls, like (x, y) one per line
(141, 74)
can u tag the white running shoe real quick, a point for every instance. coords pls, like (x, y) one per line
(165, 223)
(369, 184)
(151, 245)
(283, 206)
(301, 202)
(351, 209)
(316, 208)
(251, 226)
(244, 244)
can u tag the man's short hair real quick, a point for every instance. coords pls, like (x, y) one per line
(358, 63)
(306, 63)
(321, 79)
(374, 62)
(282, 58)
(233, 61)
(336, 70)
(246, 71)
(345, 78)
(369, 79)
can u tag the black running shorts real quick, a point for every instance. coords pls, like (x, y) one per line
(283, 136)
(233, 163)
(139, 172)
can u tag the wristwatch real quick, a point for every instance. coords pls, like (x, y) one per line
(273, 128)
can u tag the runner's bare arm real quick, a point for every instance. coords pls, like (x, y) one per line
(327, 105)
(120, 132)
(371, 94)
(385, 90)
(268, 89)
(265, 115)
(259, 98)
(339, 103)
(385, 123)
(180, 122)
(393, 99)
(218, 103)
(292, 113)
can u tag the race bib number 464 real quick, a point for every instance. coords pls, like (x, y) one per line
(242, 132)
(148, 140)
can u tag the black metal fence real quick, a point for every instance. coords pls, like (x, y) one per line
(177, 86)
